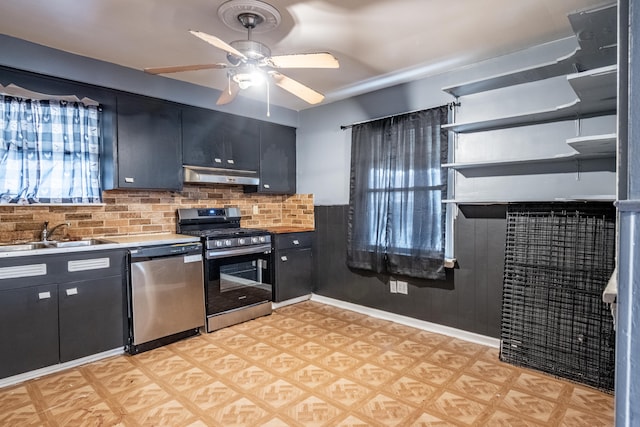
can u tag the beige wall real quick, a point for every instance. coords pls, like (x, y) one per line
(135, 212)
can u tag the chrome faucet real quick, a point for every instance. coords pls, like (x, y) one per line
(46, 233)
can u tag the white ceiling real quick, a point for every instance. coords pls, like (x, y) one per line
(378, 42)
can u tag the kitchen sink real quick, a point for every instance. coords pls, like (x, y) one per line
(22, 247)
(74, 243)
(51, 244)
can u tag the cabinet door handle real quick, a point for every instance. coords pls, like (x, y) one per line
(217, 160)
(128, 179)
(266, 186)
(296, 242)
(230, 161)
(44, 295)
(72, 291)
(284, 258)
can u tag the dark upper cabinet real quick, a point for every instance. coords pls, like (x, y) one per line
(148, 151)
(277, 159)
(219, 140)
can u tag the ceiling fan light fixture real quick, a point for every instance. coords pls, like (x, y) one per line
(248, 78)
(250, 62)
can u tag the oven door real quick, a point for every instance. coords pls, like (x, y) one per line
(237, 277)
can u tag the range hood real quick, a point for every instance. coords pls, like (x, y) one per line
(204, 175)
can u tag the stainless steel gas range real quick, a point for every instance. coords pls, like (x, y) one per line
(238, 273)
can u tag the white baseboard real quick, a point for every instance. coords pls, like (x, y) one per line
(276, 305)
(16, 379)
(409, 321)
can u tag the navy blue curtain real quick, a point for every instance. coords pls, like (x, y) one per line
(396, 216)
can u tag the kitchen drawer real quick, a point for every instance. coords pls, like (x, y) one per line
(26, 271)
(293, 240)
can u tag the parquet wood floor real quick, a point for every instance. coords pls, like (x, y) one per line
(308, 365)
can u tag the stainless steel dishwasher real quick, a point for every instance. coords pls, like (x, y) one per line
(166, 295)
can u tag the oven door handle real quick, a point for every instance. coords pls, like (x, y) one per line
(220, 253)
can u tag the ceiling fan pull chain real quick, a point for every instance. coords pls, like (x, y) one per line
(268, 101)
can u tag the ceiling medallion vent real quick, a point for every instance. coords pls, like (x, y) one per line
(234, 13)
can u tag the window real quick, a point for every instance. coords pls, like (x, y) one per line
(49, 151)
(396, 216)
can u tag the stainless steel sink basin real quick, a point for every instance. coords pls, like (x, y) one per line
(52, 244)
(22, 247)
(74, 243)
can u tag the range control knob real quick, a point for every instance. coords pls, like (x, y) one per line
(263, 239)
(227, 242)
(255, 240)
(242, 241)
(219, 243)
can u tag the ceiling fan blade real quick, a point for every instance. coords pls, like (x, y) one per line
(296, 88)
(179, 68)
(305, 60)
(228, 94)
(218, 43)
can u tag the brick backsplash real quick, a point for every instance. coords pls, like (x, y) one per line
(136, 212)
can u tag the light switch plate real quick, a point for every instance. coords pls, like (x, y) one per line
(402, 287)
(393, 288)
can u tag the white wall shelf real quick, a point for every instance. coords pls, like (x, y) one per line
(527, 163)
(597, 85)
(593, 52)
(576, 198)
(514, 162)
(593, 198)
(511, 162)
(560, 66)
(594, 144)
(596, 90)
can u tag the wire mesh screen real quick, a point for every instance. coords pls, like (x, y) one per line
(558, 260)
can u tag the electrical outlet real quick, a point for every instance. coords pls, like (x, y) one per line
(393, 288)
(256, 211)
(402, 287)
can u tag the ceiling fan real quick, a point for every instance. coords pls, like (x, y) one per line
(250, 62)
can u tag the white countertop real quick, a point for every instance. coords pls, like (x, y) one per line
(152, 239)
(114, 242)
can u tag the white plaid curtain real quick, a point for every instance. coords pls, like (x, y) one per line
(49, 152)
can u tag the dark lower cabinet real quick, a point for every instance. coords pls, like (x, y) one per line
(28, 329)
(293, 265)
(59, 308)
(91, 318)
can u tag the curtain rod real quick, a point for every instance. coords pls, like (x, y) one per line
(20, 92)
(451, 105)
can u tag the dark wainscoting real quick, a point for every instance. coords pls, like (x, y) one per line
(471, 297)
